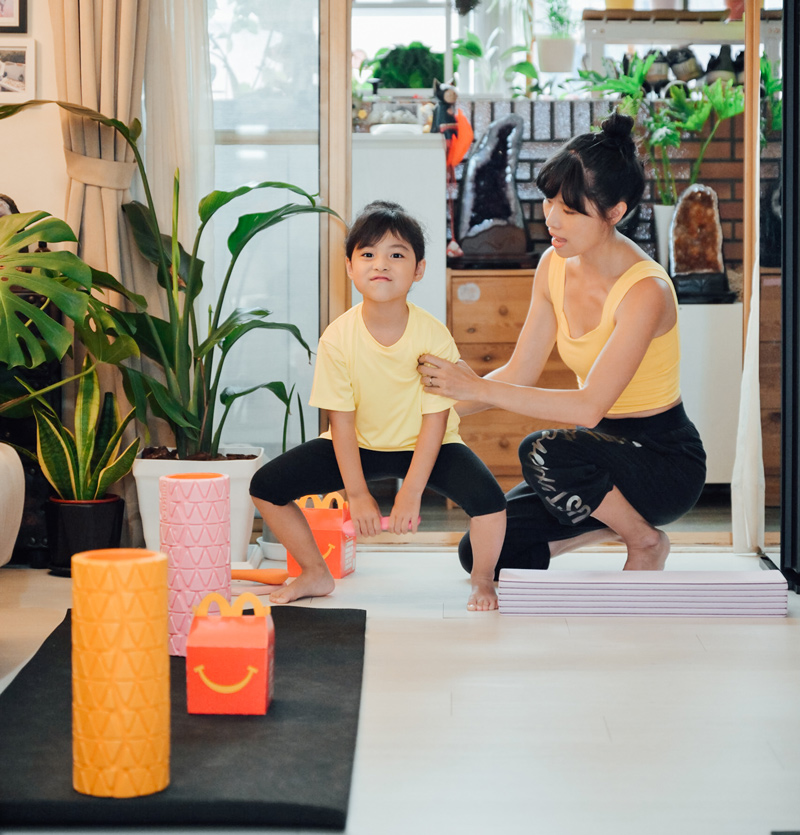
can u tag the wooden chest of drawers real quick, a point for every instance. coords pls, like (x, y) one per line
(485, 313)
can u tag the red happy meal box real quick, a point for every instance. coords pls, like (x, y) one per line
(230, 657)
(337, 548)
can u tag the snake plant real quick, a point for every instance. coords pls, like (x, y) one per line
(82, 464)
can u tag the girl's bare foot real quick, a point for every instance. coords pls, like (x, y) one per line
(650, 554)
(311, 583)
(483, 597)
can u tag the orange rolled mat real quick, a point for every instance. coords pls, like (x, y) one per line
(120, 673)
(268, 576)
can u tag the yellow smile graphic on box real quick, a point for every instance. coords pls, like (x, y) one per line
(225, 688)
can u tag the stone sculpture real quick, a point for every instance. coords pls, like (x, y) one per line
(698, 269)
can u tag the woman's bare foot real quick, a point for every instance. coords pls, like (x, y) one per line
(311, 583)
(483, 597)
(650, 554)
(583, 540)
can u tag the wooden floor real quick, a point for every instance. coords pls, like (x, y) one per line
(479, 722)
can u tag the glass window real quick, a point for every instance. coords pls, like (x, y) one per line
(265, 71)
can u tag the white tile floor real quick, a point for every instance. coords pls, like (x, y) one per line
(474, 722)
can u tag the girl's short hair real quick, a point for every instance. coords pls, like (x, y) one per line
(602, 168)
(380, 217)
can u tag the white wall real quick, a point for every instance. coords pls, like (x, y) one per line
(33, 173)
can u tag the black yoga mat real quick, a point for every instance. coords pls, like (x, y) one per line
(291, 767)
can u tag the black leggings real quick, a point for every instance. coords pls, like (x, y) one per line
(658, 464)
(311, 467)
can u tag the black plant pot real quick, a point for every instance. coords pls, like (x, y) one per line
(75, 526)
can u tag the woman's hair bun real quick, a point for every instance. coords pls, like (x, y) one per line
(617, 128)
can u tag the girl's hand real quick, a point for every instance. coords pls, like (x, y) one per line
(455, 380)
(365, 515)
(404, 517)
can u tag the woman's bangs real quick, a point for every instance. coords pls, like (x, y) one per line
(564, 173)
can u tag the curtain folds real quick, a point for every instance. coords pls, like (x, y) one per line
(100, 48)
(748, 487)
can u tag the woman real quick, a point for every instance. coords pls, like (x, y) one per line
(635, 460)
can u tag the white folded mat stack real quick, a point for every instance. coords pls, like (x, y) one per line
(656, 593)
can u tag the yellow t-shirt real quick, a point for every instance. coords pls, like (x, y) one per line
(354, 372)
(656, 382)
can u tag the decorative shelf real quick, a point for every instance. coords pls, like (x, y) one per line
(673, 28)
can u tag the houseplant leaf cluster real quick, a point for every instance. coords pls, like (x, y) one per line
(665, 122)
(29, 334)
(411, 66)
(186, 392)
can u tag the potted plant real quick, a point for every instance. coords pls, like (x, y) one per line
(556, 51)
(81, 465)
(493, 65)
(411, 67)
(186, 393)
(31, 336)
(664, 122)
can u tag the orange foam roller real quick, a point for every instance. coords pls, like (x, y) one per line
(268, 576)
(120, 673)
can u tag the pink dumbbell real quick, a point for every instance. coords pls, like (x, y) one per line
(349, 530)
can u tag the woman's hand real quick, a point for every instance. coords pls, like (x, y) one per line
(455, 380)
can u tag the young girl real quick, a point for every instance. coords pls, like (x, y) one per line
(382, 423)
(613, 314)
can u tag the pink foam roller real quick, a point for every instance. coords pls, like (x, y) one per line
(349, 530)
(195, 535)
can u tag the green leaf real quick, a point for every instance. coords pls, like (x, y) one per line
(137, 326)
(726, 97)
(119, 469)
(130, 134)
(152, 247)
(55, 449)
(525, 68)
(249, 226)
(215, 200)
(240, 322)
(106, 426)
(230, 394)
(87, 409)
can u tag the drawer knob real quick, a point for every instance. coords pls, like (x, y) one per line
(503, 443)
(488, 358)
(502, 310)
(469, 292)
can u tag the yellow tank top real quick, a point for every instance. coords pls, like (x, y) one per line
(656, 382)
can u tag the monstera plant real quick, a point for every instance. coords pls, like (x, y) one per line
(31, 284)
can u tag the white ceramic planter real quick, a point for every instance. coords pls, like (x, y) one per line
(12, 499)
(555, 54)
(662, 216)
(147, 471)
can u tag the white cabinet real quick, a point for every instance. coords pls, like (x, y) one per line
(410, 170)
(711, 373)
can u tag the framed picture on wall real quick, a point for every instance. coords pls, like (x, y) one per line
(13, 17)
(17, 69)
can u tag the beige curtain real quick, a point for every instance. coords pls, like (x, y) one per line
(99, 50)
